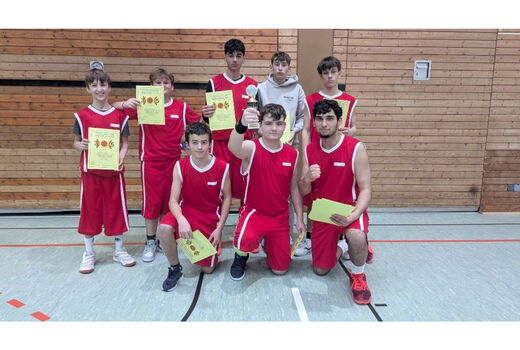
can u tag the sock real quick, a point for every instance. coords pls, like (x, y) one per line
(151, 238)
(89, 245)
(176, 266)
(342, 244)
(358, 269)
(239, 252)
(119, 242)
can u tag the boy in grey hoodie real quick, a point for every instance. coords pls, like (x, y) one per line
(283, 88)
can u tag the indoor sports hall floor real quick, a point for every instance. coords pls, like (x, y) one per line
(430, 265)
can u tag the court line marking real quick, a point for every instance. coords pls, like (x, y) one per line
(229, 242)
(195, 298)
(374, 312)
(299, 305)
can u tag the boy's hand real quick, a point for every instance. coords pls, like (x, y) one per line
(250, 116)
(313, 173)
(208, 111)
(83, 144)
(184, 228)
(131, 103)
(215, 236)
(346, 131)
(342, 220)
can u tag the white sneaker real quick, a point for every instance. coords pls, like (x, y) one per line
(304, 247)
(88, 262)
(122, 257)
(150, 249)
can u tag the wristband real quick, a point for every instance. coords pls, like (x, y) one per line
(240, 128)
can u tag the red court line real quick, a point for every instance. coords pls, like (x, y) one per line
(230, 242)
(40, 316)
(16, 303)
(444, 240)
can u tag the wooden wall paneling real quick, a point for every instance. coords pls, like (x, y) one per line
(425, 139)
(502, 157)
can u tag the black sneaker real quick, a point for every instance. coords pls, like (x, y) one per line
(238, 268)
(174, 275)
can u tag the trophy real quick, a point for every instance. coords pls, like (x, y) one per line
(252, 103)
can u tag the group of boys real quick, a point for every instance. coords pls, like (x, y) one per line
(194, 193)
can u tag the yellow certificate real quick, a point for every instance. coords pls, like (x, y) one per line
(344, 104)
(197, 247)
(224, 116)
(323, 209)
(287, 131)
(103, 149)
(151, 109)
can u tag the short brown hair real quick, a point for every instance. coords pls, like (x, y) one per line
(276, 112)
(96, 74)
(281, 56)
(161, 73)
(329, 63)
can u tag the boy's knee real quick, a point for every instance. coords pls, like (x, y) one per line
(320, 272)
(208, 269)
(279, 272)
(164, 232)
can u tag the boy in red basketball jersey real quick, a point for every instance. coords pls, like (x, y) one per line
(336, 168)
(200, 200)
(103, 192)
(237, 82)
(159, 149)
(329, 70)
(270, 171)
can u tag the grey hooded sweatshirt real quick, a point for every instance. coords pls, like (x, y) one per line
(290, 95)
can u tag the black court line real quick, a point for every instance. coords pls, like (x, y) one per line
(374, 312)
(195, 298)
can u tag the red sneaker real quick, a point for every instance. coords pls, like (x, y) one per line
(360, 292)
(370, 255)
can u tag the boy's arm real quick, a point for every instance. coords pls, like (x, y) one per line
(173, 204)
(216, 235)
(79, 143)
(296, 199)
(362, 174)
(123, 151)
(309, 174)
(353, 129)
(236, 144)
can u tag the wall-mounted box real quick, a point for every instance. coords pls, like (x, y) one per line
(422, 69)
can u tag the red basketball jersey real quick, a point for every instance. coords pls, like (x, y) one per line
(164, 141)
(202, 188)
(90, 117)
(222, 82)
(337, 181)
(318, 96)
(268, 178)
